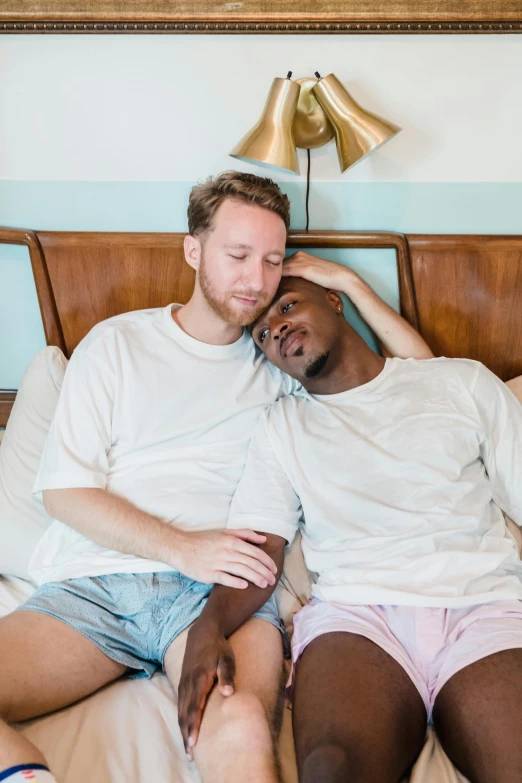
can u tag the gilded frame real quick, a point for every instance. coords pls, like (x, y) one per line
(261, 16)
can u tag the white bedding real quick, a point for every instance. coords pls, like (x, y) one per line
(128, 731)
(13, 592)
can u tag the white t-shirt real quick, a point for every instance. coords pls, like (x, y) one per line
(400, 481)
(157, 417)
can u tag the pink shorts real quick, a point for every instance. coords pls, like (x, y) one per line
(430, 644)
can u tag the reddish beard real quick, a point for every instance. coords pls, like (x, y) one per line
(223, 305)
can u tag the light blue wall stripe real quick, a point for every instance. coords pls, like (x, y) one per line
(21, 332)
(494, 208)
(491, 208)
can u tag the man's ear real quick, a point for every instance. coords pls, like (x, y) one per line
(335, 301)
(192, 248)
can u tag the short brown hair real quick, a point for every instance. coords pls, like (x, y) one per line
(206, 197)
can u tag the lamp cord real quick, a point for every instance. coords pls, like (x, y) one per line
(307, 189)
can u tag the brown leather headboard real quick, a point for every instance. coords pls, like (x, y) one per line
(463, 293)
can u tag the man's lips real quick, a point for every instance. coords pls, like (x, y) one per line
(290, 338)
(246, 300)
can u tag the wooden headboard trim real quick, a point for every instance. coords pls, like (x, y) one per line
(6, 404)
(494, 241)
(51, 321)
(104, 238)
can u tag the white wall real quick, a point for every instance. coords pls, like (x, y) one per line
(171, 107)
(110, 132)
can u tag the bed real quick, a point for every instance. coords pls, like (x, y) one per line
(462, 293)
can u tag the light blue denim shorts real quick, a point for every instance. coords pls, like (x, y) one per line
(133, 618)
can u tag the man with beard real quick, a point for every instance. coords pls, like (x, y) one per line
(400, 470)
(146, 448)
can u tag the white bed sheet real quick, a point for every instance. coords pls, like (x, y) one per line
(128, 731)
(13, 592)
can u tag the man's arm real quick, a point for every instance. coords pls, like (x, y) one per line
(226, 557)
(395, 334)
(265, 501)
(501, 416)
(208, 654)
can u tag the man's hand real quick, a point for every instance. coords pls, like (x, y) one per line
(208, 654)
(396, 336)
(225, 557)
(317, 270)
(208, 657)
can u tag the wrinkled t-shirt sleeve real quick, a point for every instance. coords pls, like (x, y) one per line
(265, 499)
(501, 448)
(76, 450)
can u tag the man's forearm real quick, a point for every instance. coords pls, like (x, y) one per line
(394, 332)
(225, 557)
(227, 609)
(114, 523)
(208, 654)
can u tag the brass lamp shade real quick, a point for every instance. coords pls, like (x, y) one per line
(271, 140)
(357, 131)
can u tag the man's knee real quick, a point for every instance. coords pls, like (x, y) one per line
(333, 762)
(10, 698)
(328, 761)
(244, 721)
(6, 706)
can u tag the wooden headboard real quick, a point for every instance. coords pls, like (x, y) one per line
(463, 293)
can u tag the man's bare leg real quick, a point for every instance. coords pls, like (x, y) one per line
(478, 718)
(46, 665)
(236, 741)
(357, 715)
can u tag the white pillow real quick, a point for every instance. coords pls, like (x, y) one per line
(516, 387)
(22, 517)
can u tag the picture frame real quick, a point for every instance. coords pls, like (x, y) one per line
(285, 17)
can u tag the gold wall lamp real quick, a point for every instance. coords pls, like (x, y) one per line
(308, 113)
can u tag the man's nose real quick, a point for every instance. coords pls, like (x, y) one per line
(254, 277)
(280, 329)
